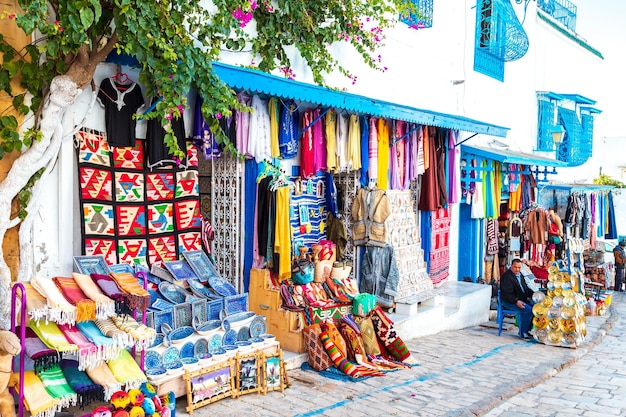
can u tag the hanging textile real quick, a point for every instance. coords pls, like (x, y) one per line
(34, 348)
(250, 189)
(126, 370)
(365, 149)
(49, 333)
(611, 225)
(88, 353)
(36, 305)
(86, 390)
(105, 306)
(56, 385)
(454, 163)
(242, 124)
(85, 307)
(273, 110)
(282, 242)
(136, 296)
(433, 193)
(36, 398)
(102, 375)
(288, 135)
(319, 143)
(307, 155)
(59, 309)
(440, 246)
(383, 154)
(202, 133)
(373, 152)
(354, 143)
(394, 169)
(342, 142)
(157, 152)
(259, 131)
(120, 102)
(330, 129)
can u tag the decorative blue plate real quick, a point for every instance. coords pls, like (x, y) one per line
(157, 340)
(208, 326)
(180, 335)
(173, 293)
(121, 268)
(221, 286)
(171, 355)
(258, 327)
(201, 290)
(215, 343)
(152, 360)
(241, 319)
(162, 305)
(189, 361)
(225, 325)
(156, 372)
(200, 263)
(187, 350)
(179, 269)
(201, 348)
(230, 337)
(243, 334)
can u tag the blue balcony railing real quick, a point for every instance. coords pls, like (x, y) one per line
(563, 11)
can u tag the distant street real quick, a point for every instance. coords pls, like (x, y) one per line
(470, 372)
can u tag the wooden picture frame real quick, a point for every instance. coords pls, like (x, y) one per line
(273, 372)
(248, 377)
(208, 385)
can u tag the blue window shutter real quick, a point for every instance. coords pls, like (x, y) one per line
(544, 126)
(425, 18)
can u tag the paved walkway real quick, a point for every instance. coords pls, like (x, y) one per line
(467, 372)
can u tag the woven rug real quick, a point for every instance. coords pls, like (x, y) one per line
(440, 246)
(132, 214)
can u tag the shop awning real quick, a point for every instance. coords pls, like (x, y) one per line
(507, 156)
(260, 82)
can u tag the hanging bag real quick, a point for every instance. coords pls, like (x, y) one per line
(302, 271)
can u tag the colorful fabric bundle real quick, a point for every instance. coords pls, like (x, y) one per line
(105, 306)
(368, 334)
(36, 398)
(109, 329)
(85, 307)
(86, 390)
(56, 385)
(50, 334)
(335, 336)
(342, 363)
(143, 335)
(111, 290)
(42, 356)
(318, 358)
(108, 347)
(387, 334)
(88, 353)
(357, 350)
(36, 304)
(126, 371)
(137, 296)
(102, 375)
(59, 309)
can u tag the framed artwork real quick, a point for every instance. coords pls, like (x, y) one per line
(274, 375)
(180, 270)
(200, 264)
(198, 309)
(91, 265)
(249, 373)
(211, 384)
(182, 315)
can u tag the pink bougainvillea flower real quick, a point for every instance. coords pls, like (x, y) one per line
(218, 115)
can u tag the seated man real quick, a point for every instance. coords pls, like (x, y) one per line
(516, 295)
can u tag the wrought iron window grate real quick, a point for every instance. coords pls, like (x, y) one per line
(544, 128)
(574, 148)
(424, 17)
(563, 11)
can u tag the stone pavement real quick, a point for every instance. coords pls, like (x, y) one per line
(464, 372)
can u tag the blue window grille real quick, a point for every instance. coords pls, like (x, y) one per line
(563, 11)
(575, 149)
(423, 18)
(544, 126)
(499, 37)
(587, 135)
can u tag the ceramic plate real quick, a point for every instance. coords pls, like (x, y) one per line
(221, 286)
(201, 348)
(157, 340)
(200, 290)
(187, 350)
(257, 327)
(152, 360)
(171, 355)
(215, 343)
(180, 335)
(179, 269)
(162, 305)
(230, 337)
(173, 293)
(243, 334)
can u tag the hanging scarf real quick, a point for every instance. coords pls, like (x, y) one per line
(88, 353)
(105, 306)
(107, 346)
(109, 329)
(111, 290)
(49, 333)
(85, 307)
(56, 385)
(126, 370)
(36, 398)
(143, 335)
(86, 390)
(60, 310)
(137, 296)
(36, 304)
(102, 375)
(35, 349)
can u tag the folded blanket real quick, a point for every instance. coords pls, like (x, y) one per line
(110, 288)
(143, 335)
(105, 306)
(42, 356)
(357, 350)
(60, 310)
(50, 334)
(389, 337)
(88, 353)
(56, 385)
(108, 347)
(86, 390)
(102, 375)
(137, 296)
(342, 363)
(36, 304)
(85, 307)
(109, 329)
(127, 371)
(36, 398)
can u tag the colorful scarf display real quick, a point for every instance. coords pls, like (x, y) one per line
(56, 385)
(50, 334)
(87, 391)
(110, 289)
(109, 329)
(85, 307)
(105, 307)
(36, 398)
(126, 370)
(143, 335)
(137, 296)
(36, 304)
(102, 375)
(387, 334)
(342, 363)
(88, 353)
(60, 310)
(108, 347)
(35, 349)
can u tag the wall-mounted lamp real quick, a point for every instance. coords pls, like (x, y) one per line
(557, 134)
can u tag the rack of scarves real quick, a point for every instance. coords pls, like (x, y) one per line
(76, 333)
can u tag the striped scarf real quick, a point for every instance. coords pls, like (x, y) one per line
(36, 304)
(85, 388)
(88, 353)
(36, 398)
(105, 306)
(60, 310)
(50, 334)
(102, 375)
(35, 349)
(109, 329)
(85, 307)
(56, 385)
(342, 363)
(143, 335)
(111, 290)
(126, 370)
(108, 348)
(137, 296)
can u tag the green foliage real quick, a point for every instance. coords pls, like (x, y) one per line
(604, 179)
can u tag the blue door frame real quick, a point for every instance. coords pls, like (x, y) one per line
(471, 248)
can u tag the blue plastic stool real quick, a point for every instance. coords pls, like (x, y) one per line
(501, 312)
